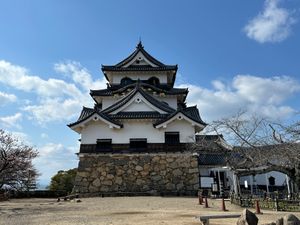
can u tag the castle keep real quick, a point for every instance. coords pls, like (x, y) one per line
(135, 137)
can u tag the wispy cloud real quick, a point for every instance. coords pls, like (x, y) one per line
(273, 24)
(264, 96)
(11, 121)
(6, 98)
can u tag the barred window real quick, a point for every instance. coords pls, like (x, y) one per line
(172, 137)
(103, 144)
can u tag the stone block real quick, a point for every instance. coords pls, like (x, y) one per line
(195, 170)
(110, 176)
(177, 172)
(119, 180)
(290, 219)
(156, 178)
(139, 168)
(247, 218)
(96, 182)
(107, 182)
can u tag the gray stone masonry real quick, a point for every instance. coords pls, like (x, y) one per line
(138, 173)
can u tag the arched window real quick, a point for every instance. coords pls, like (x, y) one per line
(126, 80)
(153, 80)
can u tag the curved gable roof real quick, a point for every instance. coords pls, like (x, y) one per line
(161, 105)
(87, 113)
(191, 113)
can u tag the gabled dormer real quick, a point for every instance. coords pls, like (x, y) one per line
(140, 65)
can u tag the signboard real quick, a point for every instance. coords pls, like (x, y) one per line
(206, 182)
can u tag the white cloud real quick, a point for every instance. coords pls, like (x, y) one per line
(57, 100)
(44, 136)
(56, 109)
(271, 25)
(11, 121)
(18, 77)
(56, 157)
(79, 75)
(6, 98)
(264, 96)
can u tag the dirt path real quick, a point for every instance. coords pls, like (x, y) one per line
(118, 210)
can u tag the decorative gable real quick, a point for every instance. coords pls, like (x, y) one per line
(140, 60)
(138, 103)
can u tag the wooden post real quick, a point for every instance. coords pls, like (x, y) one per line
(223, 207)
(200, 199)
(206, 203)
(257, 207)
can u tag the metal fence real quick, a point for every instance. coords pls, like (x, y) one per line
(268, 203)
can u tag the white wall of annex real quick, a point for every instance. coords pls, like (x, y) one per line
(135, 129)
(262, 179)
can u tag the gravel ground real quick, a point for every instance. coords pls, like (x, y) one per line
(118, 210)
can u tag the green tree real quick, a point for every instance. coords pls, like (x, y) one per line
(63, 180)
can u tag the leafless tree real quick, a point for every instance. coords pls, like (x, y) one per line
(16, 168)
(260, 145)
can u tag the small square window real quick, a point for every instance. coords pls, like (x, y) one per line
(172, 138)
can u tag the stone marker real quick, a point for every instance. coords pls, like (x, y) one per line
(247, 218)
(279, 221)
(290, 219)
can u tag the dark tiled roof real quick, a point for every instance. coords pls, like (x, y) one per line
(139, 68)
(210, 143)
(138, 115)
(212, 159)
(140, 48)
(190, 112)
(161, 105)
(85, 112)
(163, 89)
(159, 66)
(88, 112)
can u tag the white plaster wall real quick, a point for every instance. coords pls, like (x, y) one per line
(116, 79)
(262, 180)
(108, 101)
(138, 107)
(135, 129)
(187, 131)
(138, 103)
(171, 100)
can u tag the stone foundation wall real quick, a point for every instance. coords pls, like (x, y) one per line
(157, 173)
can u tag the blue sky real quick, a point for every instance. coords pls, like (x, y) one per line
(231, 54)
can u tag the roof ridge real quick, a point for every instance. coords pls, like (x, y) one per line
(139, 48)
(171, 91)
